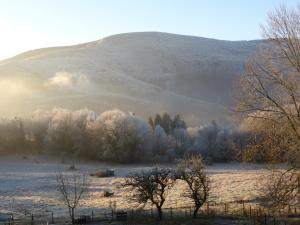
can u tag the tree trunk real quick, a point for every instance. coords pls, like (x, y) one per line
(159, 212)
(197, 207)
(72, 216)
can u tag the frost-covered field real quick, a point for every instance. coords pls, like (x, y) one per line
(30, 184)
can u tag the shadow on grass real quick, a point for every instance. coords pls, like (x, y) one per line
(188, 221)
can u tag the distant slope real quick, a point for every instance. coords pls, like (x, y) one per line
(145, 73)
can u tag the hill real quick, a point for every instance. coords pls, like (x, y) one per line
(145, 73)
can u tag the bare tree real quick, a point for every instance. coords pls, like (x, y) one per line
(270, 92)
(72, 189)
(269, 142)
(151, 186)
(282, 189)
(192, 172)
(271, 84)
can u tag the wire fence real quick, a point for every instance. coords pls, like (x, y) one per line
(239, 209)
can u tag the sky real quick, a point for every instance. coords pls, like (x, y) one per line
(31, 24)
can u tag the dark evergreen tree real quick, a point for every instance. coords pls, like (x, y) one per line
(178, 122)
(157, 120)
(151, 122)
(167, 123)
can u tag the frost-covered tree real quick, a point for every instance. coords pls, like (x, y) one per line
(125, 138)
(206, 141)
(12, 135)
(68, 131)
(36, 130)
(225, 147)
(217, 143)
(134, 139)
(108, 126)
(181, 142)
(193, 133)
(82, 120)
(160, 141)
(59, 134)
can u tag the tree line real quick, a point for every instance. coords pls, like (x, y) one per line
(122, 137)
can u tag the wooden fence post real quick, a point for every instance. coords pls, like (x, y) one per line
(92, 215)
(171, 213)
(32, 219)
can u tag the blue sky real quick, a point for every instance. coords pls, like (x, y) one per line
(30, 24)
